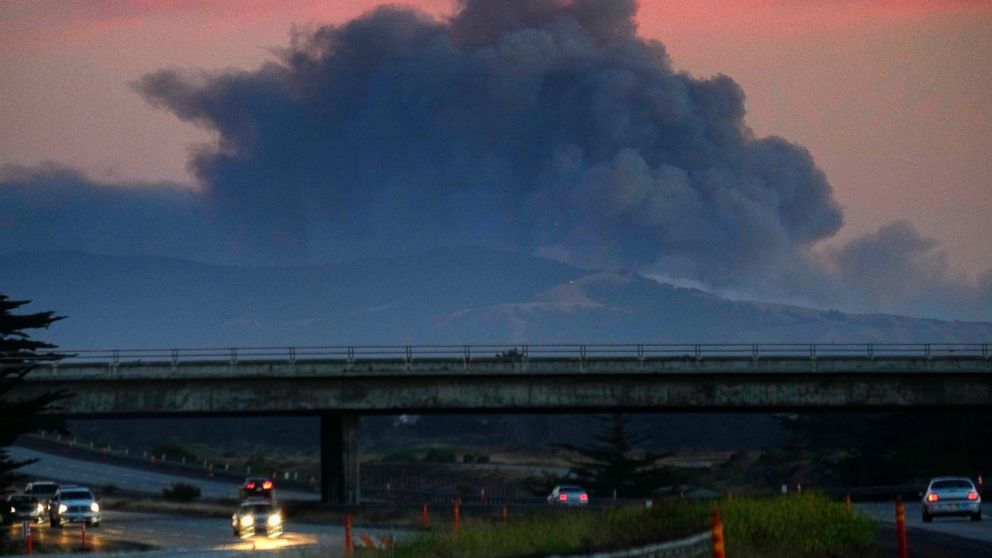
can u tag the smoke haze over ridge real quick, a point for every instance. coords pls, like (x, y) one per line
(543, 126)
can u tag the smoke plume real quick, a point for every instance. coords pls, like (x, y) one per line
(542, 126)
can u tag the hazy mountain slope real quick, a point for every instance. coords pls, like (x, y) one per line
(608, 307)
(465, 295)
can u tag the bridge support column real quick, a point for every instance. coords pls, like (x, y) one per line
(339, 458)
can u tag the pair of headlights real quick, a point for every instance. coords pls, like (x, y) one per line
(249, 520)
(94, 507)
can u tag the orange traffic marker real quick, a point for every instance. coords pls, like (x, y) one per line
(903, 547)
(716, 530)
(425, 518)
(457, 517)
(349, 545)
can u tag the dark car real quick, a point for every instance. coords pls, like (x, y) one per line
(257, 487)
(42, 490)
(21, 507)
(257, 516)
(568, 495)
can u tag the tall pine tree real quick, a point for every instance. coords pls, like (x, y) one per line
(614, 464)
(19, 354)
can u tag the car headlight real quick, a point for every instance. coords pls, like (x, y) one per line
(63, 508)
(94, 507)
(12, 510)
(275, 519)
(41, 508)
(247, 521)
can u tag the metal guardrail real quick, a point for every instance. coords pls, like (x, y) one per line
(467, 353)
(694, 546)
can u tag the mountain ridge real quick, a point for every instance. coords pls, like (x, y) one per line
(464, 295)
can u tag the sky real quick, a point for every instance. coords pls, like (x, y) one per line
(885, 108)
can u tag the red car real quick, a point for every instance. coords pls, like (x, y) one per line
(257, 487)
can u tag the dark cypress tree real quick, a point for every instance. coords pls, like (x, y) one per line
(614, 462)
(19, 354)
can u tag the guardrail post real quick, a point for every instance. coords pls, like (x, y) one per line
(716, 533)
(640, 356)
(985, 351)
(582, 358)
(926, 351)
(408, 357)
(292, 355)
(234, 356)
(467, 358)
(871, 351)
(754, 352)
(901, 529)
(698, 353)
(812, 352)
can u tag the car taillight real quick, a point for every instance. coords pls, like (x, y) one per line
(267, 485)
(972, 495)
(583, 497)
(563, 497)
(250, 486)
(932, 497)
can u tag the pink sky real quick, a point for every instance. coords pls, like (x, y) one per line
(893, 98)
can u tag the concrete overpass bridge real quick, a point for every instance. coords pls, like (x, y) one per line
(340, 384)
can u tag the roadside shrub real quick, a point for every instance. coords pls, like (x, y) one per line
(181, 492)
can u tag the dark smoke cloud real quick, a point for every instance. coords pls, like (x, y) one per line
(56, 208)
(898, 270)
(543, 126)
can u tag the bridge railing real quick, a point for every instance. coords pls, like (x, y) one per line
(409, 353)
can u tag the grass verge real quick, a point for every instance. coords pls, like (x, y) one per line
(808, 526)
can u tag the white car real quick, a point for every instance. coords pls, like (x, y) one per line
(949, 496)
(74, 504)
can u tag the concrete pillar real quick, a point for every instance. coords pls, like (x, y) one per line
(339, 458)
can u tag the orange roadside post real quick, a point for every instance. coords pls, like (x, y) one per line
(903, 547)
(847, 503)
(457, 517)
(84, 536)
(349, 545)
(504, 514)
(716, 530)
(28, 543)
(425, 520)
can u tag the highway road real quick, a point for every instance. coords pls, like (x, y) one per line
(193, 537)
(97, 475)
(978, 531)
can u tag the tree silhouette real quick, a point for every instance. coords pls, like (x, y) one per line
(19, 354)
(614, 464)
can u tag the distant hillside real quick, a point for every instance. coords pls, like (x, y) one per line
(464, 295)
